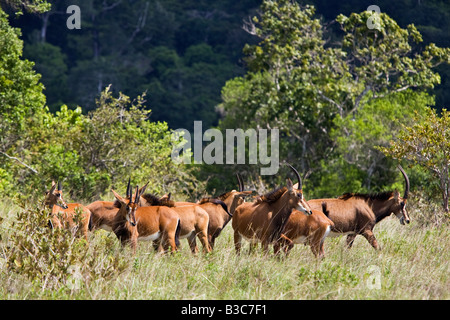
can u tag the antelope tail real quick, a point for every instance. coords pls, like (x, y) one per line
(177, 234)
(90, 224)
(325, 210)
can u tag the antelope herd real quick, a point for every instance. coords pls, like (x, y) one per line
(280, 218)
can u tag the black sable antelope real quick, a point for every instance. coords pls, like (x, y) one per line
(263, 220)
(355, 213)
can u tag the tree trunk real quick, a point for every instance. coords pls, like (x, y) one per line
(445, 196)
(44, 26)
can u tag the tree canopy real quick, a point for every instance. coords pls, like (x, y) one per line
(337, 90)
(335, 102)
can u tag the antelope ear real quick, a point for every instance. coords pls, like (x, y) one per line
(142, 190)
(290, 186)
(118, 197)
(396, 195)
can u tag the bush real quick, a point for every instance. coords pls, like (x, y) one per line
(54, 259)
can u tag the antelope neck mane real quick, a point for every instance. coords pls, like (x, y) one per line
(214, 201)
(368, 196)
(272, 196)
(225, 195)
(156, 201)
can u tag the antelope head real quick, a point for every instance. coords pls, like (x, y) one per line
(296, 194)
(54, 196)
(241, 194)
(128, 205)
(400, 203)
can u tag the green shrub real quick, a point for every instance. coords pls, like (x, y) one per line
(55, 259)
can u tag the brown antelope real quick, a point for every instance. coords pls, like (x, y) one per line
(194, 218)
(263, 220)
(219, 218)
(60, 210)
(312, 230)
(355, 213)
(194, 222)
(133, 223)
(104, 212)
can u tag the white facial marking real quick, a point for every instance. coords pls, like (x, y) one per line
(302, 208)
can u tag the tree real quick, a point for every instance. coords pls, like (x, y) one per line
(375, 124)
(427, 143)
(34, 6)
(285, 70)
(114, 142)
(51, 64)
(313, 90)
(22, 103)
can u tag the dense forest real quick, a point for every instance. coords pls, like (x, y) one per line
(180, 52)
(340, 94)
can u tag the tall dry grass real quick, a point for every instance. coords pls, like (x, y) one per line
(413, 263)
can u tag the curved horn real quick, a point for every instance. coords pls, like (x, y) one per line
(241, 185)
(59, 186)
(129, 189)
(136, 197)
(405, 196)
(300, 186)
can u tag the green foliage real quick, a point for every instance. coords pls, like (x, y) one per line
(333, 104)
(21, 98)
(51, 64)
(88, 153)
(21, 106)
(34, 6)
(427, 143)
(123, 43)
(359, 135)
(54, 259)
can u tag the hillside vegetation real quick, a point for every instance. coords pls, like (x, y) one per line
(95, 107)
(413, 263)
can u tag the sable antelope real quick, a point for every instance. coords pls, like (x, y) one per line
(219, 218)
(104, 212)
(194, 221)
(133, 223)
(263, 220)
(66, 212)
(355, 213)
(312, 230)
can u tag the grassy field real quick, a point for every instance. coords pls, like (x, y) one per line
(414, 263)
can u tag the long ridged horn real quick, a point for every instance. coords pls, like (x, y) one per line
(59, 186)
(405, 196)
(300, 185)
(241, 185)
(129, 188)
(136, 197)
